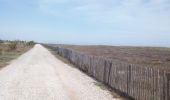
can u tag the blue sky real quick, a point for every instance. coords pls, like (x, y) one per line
(105, 22)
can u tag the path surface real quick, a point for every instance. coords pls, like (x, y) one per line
(38, 75)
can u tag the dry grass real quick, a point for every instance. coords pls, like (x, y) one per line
(10, 50)
(154, 56)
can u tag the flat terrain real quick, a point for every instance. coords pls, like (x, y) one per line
(136, 55)
(38, 75)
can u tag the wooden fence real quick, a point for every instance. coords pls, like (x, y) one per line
(138, 82)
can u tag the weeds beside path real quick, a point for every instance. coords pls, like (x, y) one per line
(10, 50)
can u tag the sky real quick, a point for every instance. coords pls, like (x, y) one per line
(89, 22)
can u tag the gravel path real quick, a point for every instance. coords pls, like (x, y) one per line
(38, 75)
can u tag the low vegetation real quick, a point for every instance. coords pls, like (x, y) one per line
(153, 56)
(10, 50)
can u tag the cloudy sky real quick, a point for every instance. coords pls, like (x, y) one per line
(110, 22)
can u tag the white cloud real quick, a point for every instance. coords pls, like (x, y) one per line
(131, 15)
(127, 15)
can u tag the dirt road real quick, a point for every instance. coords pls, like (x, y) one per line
(38, 75)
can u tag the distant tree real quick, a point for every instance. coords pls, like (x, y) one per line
(30, 43)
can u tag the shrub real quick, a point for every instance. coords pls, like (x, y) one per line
(1, 41)
(12, 45)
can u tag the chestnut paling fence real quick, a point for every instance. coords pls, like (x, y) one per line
(138, 82)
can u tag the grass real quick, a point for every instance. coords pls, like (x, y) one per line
(154, 56)
(6, 57)
(10, 50)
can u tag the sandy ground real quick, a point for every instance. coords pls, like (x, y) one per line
(38, 75)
